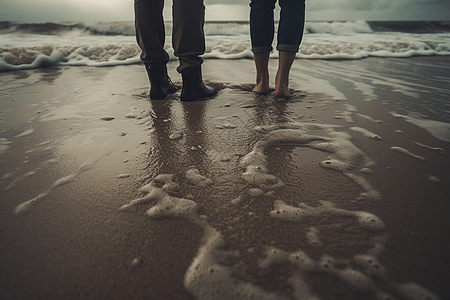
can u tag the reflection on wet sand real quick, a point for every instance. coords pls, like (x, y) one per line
(320, 196)
(262, 227)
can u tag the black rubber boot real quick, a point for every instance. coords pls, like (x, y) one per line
(160, 84)
(193, 86)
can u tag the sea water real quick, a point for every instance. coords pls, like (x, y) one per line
(34, 45)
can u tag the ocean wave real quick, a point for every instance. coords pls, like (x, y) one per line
(110, 28)
(113, 55)
(34, 45)
(338, 27)
(44, 28)
(126, 28)
(97, 56)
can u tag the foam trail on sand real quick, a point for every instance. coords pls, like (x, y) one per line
(369, 118)
(439, 130)
(439, 150)
(407, 153)
(366, 133)
(315, 136)
(211, 273)
(303, 212)
(27, 132)
(366, 90)
(4, 145)
(24, 207)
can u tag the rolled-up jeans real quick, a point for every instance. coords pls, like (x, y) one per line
(290, 26)
(188, 39)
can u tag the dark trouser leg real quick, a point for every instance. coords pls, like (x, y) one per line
(188, 38)
(291, 26)
(150, 31)
(150, 36)
(262, 25)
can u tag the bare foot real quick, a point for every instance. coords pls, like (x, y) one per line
(285, 61)
(281, 85)
(262, 72)
(262, 84)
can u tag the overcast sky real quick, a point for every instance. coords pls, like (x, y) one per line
(317, 10)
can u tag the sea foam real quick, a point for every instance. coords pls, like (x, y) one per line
(99, 44)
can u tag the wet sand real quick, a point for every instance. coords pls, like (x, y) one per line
(336, 175)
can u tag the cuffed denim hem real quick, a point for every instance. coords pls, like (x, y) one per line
(286, 47)
(262, 49)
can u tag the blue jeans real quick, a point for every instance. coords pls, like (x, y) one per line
(290, 26)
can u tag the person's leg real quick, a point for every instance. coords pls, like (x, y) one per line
(150, 36)
(188, 38)
(290, 34)
(150, 31)
(285, 61)
(262, 72)
(188, 41)
(262, 33)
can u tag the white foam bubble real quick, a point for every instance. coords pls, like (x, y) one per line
(299, 214)
(336, 165)
(26, 132)
(369, 118)
(255, 192)
(346, 115)
(366, 90)
(439, 150)
(433, 179)
(64, 180)
(167, 206)
(338, 27)
(31, 59)
(193, 176)
(368, 220)
(207, 279)
(316, 85)
(138, 114)
(21, 178)
(7, 176)
(358, 281)
(21, 208)
(137, 261)
(407, 153)
(366, 133)
(175, 135)
(370, 265)
(369, 191)
(4, 145)
(258, 176)
(367, 171)
(315, 136)
(439, 130)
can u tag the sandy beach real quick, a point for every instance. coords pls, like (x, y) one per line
(340, 192)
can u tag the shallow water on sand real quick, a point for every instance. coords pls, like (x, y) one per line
(339, 192)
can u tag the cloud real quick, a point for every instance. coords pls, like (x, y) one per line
(323, 10)
(227, 2)
(346, 5)
(49, 10)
